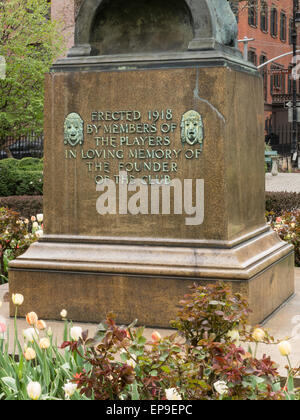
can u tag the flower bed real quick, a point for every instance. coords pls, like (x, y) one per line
(202, 360)
(16, 235)
(288, 228)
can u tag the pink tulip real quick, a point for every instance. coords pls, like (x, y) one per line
(2, 328)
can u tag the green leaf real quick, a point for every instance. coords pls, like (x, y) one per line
(134, 391)
(139, 332)
(153, 373)
(142, 340)
(10, 383)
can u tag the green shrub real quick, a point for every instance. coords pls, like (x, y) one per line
(7, 182)
(30, 164)
(29, 182)
(21, 177)
(26, 205)
(10, 163)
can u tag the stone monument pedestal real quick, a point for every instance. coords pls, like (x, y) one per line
(192, 117)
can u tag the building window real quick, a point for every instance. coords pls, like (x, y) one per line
(264, 21)
(252, 57)
(277, 79)
(274, 22)
(252, 13)
(282, 26)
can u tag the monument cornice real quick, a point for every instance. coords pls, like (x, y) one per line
(129, 62)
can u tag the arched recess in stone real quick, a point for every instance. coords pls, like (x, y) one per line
(137, 26)
(133, 26)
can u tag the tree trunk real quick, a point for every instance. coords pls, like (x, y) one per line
(5, 148)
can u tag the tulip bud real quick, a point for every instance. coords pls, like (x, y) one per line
(44, 343)
(258, 334)
(35, 225)
(156, 336)
(34, 390)
(17, 299)
(31, 318)
(285, 348)
(64, 314)
(29, 354)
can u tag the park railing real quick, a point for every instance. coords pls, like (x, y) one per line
(30, 145)
(279, 138)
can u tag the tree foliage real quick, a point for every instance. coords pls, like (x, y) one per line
(30, 42)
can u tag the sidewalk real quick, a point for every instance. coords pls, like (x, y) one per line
(283, 182)
(285, 322)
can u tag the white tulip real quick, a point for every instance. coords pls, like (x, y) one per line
(40, 217)
(285, 348)
(221, 387)
(17, 299)
(34, 390)
(76, 333)
(64, 314)
(234, 335)
(258, 334)
(69, 389)
(172, 394)
(30, 334)
(44, 343)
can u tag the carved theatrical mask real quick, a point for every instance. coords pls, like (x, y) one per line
(73, 129)
(192, 128)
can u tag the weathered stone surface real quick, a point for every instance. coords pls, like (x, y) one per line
(225, 164)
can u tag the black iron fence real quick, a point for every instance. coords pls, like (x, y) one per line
(31, 145)
(279, 138)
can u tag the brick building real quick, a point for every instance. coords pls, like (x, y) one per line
(269, 22)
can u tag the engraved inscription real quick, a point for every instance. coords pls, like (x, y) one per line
(147, 146)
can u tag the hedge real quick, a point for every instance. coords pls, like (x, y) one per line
(279, 202)
(26, 205)
(21, 177)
